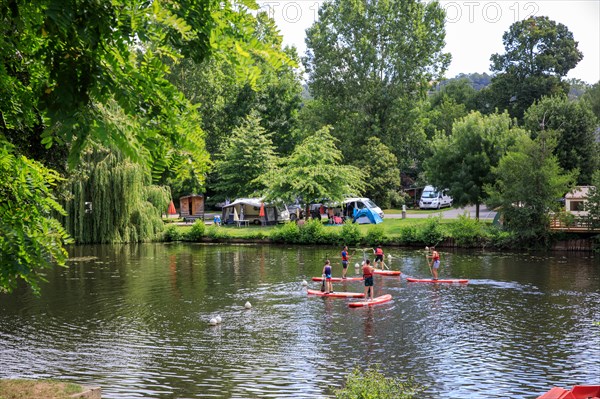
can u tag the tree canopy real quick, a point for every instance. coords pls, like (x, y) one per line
(463, 162)
(529, 181)
(370, 65)
(538, 52)
(576, 126)
(314, 171)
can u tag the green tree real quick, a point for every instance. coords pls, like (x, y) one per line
(382, 176)
(576, 126)
(538, 53)
(592, 205)
(314, 171)
(31, 240)
(463, 162)
(124, 205)
(529, 180)
(371, 64)
(247, 156)
(592, 97)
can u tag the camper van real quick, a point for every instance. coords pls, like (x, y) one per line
(248, 209)
(434, 199)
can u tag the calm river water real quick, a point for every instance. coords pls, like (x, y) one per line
(134, 319)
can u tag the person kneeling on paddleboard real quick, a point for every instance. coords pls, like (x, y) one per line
(435, 262)
(368, 278)
(327, 274)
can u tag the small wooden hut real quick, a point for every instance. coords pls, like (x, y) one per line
(191, 207)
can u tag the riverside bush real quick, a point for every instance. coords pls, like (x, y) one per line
(215, 232)
(431, 233)
(313, 232)
(350, 234)
(197, 231)
(172, 233)
(289, 233)
(372, 384)
(466, 232)
(375, 236)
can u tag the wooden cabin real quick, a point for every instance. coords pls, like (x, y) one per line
(191, 207)
(576, 199)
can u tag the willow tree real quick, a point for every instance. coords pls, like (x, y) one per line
(113, 200)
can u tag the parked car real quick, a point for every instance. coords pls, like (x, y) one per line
(433, 198)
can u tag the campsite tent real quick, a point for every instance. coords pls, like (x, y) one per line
(366, 216)
(250, 208)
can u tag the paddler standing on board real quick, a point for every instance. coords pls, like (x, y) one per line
(368, 279)
(345, 259)
(435, 262)
(327, 276)
(378, 257)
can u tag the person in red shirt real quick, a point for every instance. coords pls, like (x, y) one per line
(368, 279)
(435, 262)
(345, 260)
(378, 257)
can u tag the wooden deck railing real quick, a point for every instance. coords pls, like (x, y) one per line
(575, 224)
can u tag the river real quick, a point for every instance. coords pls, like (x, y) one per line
(134, 319)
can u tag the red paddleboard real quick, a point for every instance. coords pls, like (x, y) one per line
(338, 279)
(388, 272)
(337, 294)
(375, 301)
(441, 280)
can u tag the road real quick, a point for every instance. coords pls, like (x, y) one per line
(449, 213)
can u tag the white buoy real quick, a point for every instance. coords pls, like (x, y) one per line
(219, 320)
(304, 283)
(389, 256)
(248, 305)
(356, 265)
(426, 248)
(213, 322)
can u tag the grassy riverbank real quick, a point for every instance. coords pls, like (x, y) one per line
(34, 389)
(462, 231)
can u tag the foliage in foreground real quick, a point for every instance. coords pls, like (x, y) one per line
(372, 384)
(30, 239)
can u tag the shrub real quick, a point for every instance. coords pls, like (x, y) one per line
(372, 384)
(409, 235)
(312, 232)
(350, 234)
(431, 232)
(466, 232)
(376, 235)
(216, 232)
(289, 233)
(172, 233)
(197, 231)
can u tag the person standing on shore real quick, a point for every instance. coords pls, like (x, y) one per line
(434, 265)
(368, 279)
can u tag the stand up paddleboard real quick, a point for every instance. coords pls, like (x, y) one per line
(338, 279)
(375, 301)
(387, 272)
(337, 294)
(441, 280)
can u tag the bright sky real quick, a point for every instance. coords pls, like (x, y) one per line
(474, 29)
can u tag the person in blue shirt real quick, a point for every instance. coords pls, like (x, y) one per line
(327, 276)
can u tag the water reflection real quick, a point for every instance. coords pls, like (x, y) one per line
(134, 319)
